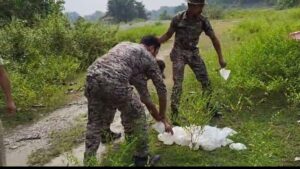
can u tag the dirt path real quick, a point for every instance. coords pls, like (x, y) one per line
(21, 142)
(75, 157)
(37, 136)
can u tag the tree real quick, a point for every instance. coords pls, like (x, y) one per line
(180, 8)
(165, 16)
(283, 4)
(141, 12)
(243, 3)
(28, 10)
(125, 10)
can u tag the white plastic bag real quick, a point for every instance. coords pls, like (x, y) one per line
(159, 127)
(194, 146)
(237, 146)
(225, 73)
(227, 142)
(208, 138)
(211, 138)
(229, 131)
(166, 138)
(181, 136)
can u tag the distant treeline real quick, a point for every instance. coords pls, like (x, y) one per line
(280, 4)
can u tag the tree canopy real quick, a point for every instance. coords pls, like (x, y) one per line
(126, 10)
(27, 10)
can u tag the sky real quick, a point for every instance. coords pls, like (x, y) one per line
(86, 7)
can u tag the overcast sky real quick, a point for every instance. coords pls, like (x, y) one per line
(86, 7)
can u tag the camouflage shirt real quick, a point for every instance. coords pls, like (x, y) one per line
(140, 83)
(127, 61)
(188, 30)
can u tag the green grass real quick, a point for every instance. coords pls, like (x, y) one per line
(265, 119)
(135, 34)
(269, 133)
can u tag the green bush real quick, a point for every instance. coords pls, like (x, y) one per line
(283, 4)
(214, 12)
(92, 41)
(135, 34)
(266, 62)
(43, 57)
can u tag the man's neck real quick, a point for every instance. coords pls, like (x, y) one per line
(190, 15)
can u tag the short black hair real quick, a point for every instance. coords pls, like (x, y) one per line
(151, 40)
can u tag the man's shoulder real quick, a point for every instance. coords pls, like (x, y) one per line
(125, 46)
(179, 15)
(203, 17)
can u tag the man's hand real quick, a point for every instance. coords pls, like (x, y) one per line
(11, 108)
(168, 127)
(222, 63)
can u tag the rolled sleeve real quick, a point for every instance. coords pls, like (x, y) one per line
(173, 24)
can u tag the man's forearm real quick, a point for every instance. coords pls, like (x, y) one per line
(218, 48)
(152, 108)
(163, 106)
(166, 37)
(5, 85)
(154, 112)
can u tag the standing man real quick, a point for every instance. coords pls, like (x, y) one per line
(188, 26)
(10, 105)
(108, 89)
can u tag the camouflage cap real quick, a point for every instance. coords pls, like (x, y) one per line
(197, 2)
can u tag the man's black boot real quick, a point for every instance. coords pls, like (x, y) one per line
(146, 161)
(140, 161)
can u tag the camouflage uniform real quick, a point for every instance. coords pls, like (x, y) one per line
(108, 88)
(185, 51)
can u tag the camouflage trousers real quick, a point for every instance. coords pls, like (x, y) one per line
(2, 148)
(180, 59)
(104, 98)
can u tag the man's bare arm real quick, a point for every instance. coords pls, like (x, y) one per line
(6, 87)
(217, 46)
(166, 36)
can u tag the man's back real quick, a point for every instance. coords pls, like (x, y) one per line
(122, 62)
